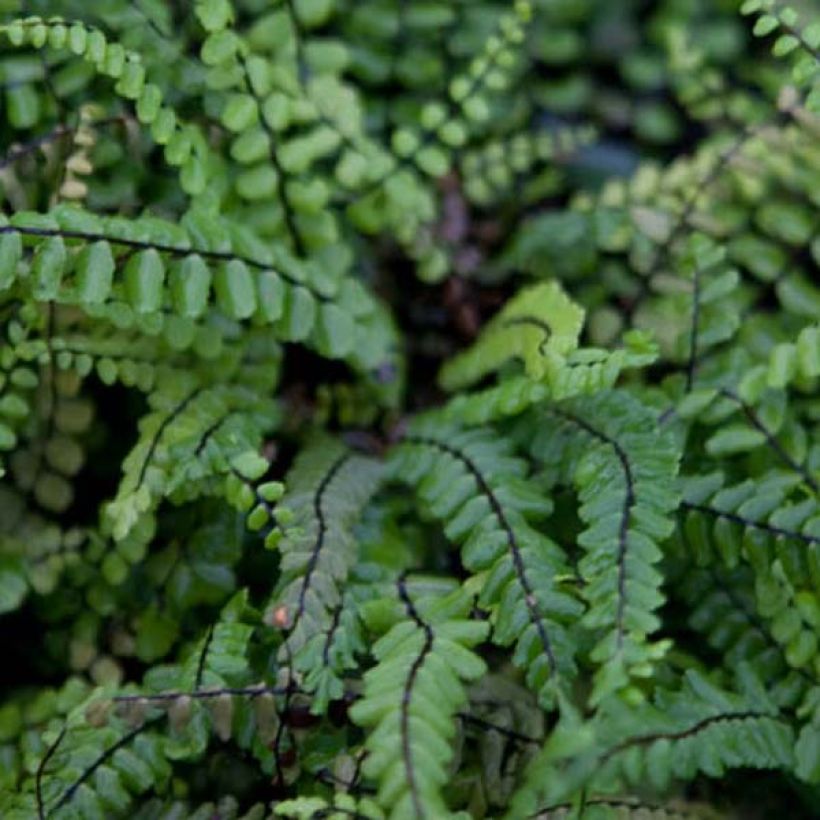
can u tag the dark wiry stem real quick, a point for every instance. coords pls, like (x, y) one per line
(331, 631)
(282, 726)
(203, 655)
(512, 542)
(748, 522)
(626, 511)
(633, 803)
(691, 731)
(771, 440)
(38, 780)
(69, 793)
(160, 247)
(204, 694)
(407, 694)
(489, 726)
(175, 413)
(318, 511)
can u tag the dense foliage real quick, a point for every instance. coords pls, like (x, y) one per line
(409, 408)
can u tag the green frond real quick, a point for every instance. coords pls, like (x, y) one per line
(181, 433)
(700, 729)
(112, 748)
(792, 39)
(492, 172)
(409, 409)
(184, 146)
(89, 770)
(227, 808)
(207, 261)
(540, 326)
(410, 698)
(769, 530)
(340, 807)
(584, 371)
(624, 471)
(623, 807)
(327, 487)
(473, 484)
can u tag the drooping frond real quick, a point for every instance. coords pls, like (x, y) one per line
(186, 425)
(700, 729)
(624, 472)
(411, 697)
(326, 490)
(472, 483)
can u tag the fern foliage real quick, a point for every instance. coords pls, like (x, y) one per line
(409, 409)
(624, 472)
(474, 483)
(327, 488)
(429, 659)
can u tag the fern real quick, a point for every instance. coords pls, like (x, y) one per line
(697, 729)
(540, 327)
(327, 487)
(624, 476)
(429, 657)
(473, 483)
(409, 409)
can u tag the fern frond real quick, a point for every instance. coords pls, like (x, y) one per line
(774, 16)
(411, 697)
(112, 749)
(471, 481)
(340, 807)
(701, 728)
(183, 424)
(624, 807)
(227, 808)
(92, 770)
(329, 653)
(540, 326)
(299, 297)
(326, 489)
(758, 524)
(185, 267)
(624, 472)
(184, 145)
(584, 371)
(492, 173)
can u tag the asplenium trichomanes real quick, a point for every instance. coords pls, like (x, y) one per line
(403, 414)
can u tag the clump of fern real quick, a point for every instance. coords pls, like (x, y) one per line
(398, 419)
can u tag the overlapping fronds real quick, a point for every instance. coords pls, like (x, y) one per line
(472, 482)
(409, 409)
(411, 697)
